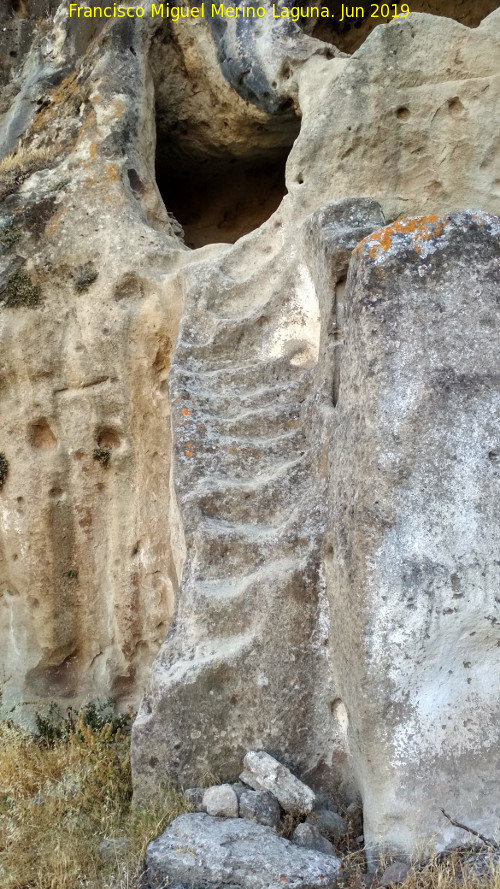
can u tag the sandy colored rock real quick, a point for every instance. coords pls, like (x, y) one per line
(410, 120)
(303, 472)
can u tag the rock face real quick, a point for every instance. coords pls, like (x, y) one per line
(301, 467)
(411, 573)
(234, 853)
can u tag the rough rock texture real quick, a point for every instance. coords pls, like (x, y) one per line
(410, 119)
(203, 852)
(221, 800)
(310, 837)
(262, 772)
(261, 807)
(394, 874)
(313, 489)
(240, 668)
(413, 575)
(331, 824)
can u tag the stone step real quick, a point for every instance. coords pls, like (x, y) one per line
(227, 605)
(221, 550)
(209, 377)
(238, 458)
(261, 424)
(224, 489)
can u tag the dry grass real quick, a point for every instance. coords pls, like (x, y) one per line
(465, 868)
(59, 800)
(62, 794)
(25, 158)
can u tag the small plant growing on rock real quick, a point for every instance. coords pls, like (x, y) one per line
(102, 455)
(84, 276)
(9, 234)
(4, 468)
(59, 186)
(20, 291)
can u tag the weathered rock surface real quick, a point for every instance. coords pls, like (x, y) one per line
(410, 120)
(203, 852)
(263, 772)
(221, 800)
(309, 836)
(241, 668)
(261, 807)
(394, 874)
(331, 824)
(314, 492)
(412, 575)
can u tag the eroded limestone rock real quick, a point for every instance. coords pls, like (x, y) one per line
(413, 525)
(220, 800)
(260, 806)
(200, 851)
(315, 490)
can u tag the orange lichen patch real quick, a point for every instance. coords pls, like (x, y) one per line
(421, 229)
(189, 453)
(185, 412)
(103, 176)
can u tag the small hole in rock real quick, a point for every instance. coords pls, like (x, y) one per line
(455, 107)
(41, 435)
(108, 438)
(403, 113)
(136, 183)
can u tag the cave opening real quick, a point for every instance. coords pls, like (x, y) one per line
(220, 162)
(219, 199)
(348, 34)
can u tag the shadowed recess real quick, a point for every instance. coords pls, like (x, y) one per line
(352, 31)
(220, 162)
(221, 199)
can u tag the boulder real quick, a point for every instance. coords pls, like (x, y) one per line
(331, 824)
(260, 806)
(309, 836)
(221, 800)
(413, 571)
(263, 772)
(394, 874)
(210, 853)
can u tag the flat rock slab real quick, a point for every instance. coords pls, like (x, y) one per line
(263, 772)
(202, 852)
